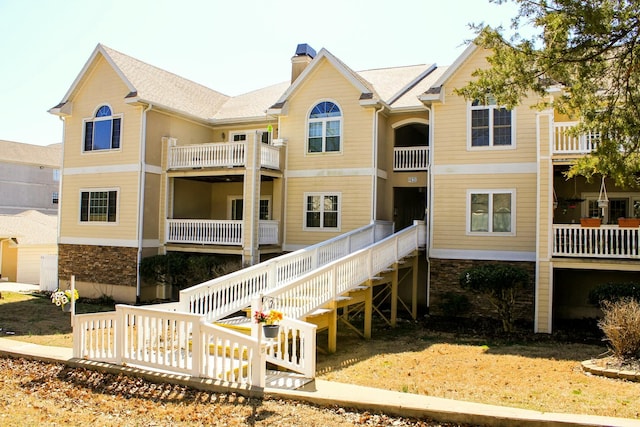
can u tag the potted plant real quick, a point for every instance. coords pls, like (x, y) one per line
(269, 322)
(64, 299)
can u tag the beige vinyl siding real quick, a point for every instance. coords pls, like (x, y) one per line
(326, 83)
(451, 125)
(102, 86)
(127, 206)
(450, 212)
(152, 206)
(160, 124)
(355, 206)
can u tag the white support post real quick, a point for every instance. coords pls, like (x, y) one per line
(119, 339)
(197, 357)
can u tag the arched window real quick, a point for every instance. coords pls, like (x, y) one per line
(325, 127)
(103, 131)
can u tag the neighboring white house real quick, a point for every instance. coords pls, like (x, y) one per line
(29, 177)
(24, 239)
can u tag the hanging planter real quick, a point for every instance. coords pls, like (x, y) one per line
(603, 200)
(270, 331)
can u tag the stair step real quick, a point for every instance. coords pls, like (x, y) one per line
(319, 312)
(358, 288)
(343, 298)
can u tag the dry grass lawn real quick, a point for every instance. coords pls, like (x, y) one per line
(539, 374)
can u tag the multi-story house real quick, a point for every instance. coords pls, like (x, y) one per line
(155, 163)
(29, 177)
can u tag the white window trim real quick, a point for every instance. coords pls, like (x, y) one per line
(490, 146)
(231, 198)
(249, 134)
(321, 228)
(491, 191)
(95, 190)
(324, 119)
(93, 119)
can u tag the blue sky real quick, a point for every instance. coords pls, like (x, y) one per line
(230, 46)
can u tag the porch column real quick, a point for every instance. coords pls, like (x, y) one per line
(251, 205)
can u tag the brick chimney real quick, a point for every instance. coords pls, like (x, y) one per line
(302, 58)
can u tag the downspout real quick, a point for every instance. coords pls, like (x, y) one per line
(430, 198)
(141, 185)
(284, 190)
(374, 201)
(61, 176)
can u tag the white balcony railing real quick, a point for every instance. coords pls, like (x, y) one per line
(564, 143)
(219, 155)
(217, 232)
(410, 158)
(607, 241)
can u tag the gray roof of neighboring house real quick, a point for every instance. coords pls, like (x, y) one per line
(30, 228)
(29, 154)
(396, 86)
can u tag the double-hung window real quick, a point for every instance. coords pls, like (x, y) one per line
(98, 206)
(102, 132)
(324, 128)
(490, 125)
(491, 211)
(322, 211)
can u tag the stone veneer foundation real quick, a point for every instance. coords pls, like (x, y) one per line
(445, 277)
(98, 264)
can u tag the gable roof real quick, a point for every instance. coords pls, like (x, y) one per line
(29, 228)
(433, 93)
(394, 87)
(29, 154)
(382, 85)
(153, 85)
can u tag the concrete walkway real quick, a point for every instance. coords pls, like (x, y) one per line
(345, 395)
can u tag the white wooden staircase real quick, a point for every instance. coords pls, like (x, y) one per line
(201, 335)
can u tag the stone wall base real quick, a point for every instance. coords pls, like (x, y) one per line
(445, 284)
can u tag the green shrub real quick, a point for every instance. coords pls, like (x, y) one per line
(614, 291)
(182, 270)
(454, 304)
(500, 283)
(621, 327)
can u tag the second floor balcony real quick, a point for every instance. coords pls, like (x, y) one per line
(411, 158)
(218, 232)
(566, 143)
(220, 155)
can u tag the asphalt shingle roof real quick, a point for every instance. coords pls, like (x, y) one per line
(30, 228)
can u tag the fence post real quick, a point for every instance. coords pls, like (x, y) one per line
(119, 339)
(197, 358)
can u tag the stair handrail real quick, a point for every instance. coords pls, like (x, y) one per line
(223, 296)
(313, 290)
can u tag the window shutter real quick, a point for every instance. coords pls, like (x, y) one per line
(111, 211)
(84, 206)
(115, 135)
(88, 136)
